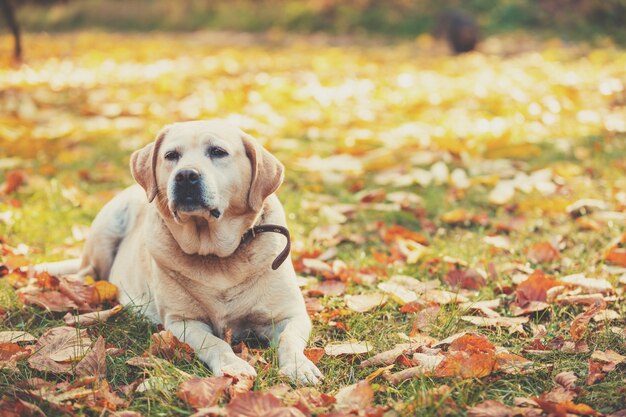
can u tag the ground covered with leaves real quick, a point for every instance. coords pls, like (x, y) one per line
(458, 222)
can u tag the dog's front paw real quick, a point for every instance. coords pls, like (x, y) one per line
(234, 366)
(301, 371)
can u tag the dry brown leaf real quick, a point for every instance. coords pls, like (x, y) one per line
(94, 363)
(566, 379)
(581, 321)
(52, 300)
(469, 356)
(349, 348)
(534, 288)
(609, 356)
(309, 398)
(595, 373)
(203, 392)
(490, 408)
(10, 353)
(331, 288)
(468, 279)
(94, 317)
(510, 363)
(15, 407)
(15, 336)
(355, 397)
(389, 357)
(241, 384)
(252, 404)
(543, 252)
(58, 347)
(166, 345)
(314, 354)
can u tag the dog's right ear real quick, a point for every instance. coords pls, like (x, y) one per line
(143, 164)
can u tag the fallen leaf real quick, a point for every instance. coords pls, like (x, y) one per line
(166, 345)
(490, 408)
(616, 256)
(543, 252)
(314, 354)
(469, 356)
(510, 363)
(252, 404)
(15, 336)
(105, 292)
(355, 397)
(57, 348)
(534, 288)
(349, 348)
(331, 288)
(53, 301)
(94, 363)
(388, 357)
(398, 293)
(203, 392)
(13, 180)
(468, 279)
(15, 407)
(365, 302)
(94, 317)
(566, 379)
(10, 353)
(581, 322)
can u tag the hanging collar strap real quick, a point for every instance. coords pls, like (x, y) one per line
(274, 228)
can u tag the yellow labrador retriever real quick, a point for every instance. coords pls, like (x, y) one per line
(187, 243)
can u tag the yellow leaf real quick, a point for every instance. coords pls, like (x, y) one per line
(105, 291)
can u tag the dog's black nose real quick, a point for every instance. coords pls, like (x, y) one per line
(187, 176)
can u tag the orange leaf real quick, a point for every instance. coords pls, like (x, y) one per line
(534, 288)
(166, 345)
(466, 365)
(581, 321)
(252, 404)
(468, 279)
(314, 354)
(543, 252)
(617, 256)
(14, 179)
(396, 231)
(203, 392)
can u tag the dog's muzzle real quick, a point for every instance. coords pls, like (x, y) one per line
(189, 193)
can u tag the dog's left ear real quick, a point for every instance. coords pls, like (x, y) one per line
(143, 165)
(266, 173)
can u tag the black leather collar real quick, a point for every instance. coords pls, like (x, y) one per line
(274, 228)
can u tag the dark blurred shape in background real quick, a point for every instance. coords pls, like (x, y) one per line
(8, 11)
(459, 28)
(565, 19)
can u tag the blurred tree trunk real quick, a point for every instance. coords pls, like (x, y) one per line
(8, 10)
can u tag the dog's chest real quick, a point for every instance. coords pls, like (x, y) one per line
(229, 295)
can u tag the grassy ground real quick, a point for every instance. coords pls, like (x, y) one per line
(71, 115)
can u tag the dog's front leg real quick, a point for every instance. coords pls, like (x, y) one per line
(292, 336)
(212, 350)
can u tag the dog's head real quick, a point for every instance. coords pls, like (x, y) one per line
(206, 169)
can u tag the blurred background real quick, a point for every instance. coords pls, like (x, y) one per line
(575, 19)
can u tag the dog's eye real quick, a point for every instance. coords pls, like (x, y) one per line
(172, 155)
(217, 152)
